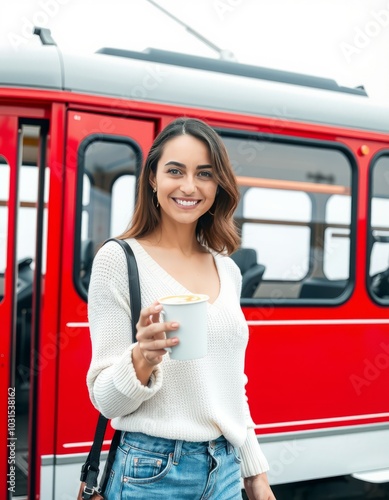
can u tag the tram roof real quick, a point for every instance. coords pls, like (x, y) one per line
(178, 79)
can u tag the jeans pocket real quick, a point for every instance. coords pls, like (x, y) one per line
(143, 466)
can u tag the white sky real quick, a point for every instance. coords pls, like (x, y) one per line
(347, 40)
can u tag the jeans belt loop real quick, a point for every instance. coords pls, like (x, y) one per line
(177, 452)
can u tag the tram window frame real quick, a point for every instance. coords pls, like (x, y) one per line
(260, 139)
(371, 239)
(81, 171)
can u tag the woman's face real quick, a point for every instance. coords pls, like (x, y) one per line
(185, 183)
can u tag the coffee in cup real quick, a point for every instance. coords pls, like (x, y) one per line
(190, 311)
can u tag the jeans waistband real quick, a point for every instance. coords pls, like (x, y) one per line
(172, 446)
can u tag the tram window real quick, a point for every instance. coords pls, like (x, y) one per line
(290, 195)
(108, 169)
(379, 231)
(4, 194)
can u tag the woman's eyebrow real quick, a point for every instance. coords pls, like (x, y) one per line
(182, 165)
(175, 163)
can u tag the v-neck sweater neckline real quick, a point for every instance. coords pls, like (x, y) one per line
(154, 266)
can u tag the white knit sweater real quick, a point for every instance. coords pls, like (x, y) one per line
(196, 400)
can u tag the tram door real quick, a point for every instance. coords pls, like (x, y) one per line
(25, 317)
(103, 158)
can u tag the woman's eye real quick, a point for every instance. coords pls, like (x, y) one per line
(174, 171)
(205, 173)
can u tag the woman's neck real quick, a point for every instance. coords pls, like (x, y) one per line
(182, 239)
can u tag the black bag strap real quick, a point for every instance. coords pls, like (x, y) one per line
(133, 282)
(90, 469)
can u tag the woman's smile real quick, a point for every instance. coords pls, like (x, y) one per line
(185, 202)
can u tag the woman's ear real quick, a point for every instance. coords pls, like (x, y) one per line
(152, 182)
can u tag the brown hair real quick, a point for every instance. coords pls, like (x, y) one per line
(215, 228)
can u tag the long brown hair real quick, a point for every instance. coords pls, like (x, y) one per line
(215, 229)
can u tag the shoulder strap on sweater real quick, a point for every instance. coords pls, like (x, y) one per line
(133, 281)
(90, 469)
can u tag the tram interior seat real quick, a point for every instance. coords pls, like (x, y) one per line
(380, 284)
(252, 272)
(322, 288)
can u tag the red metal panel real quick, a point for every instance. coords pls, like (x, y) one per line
(310, 372)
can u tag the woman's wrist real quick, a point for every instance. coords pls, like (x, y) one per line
(261, 476)
(142, 368)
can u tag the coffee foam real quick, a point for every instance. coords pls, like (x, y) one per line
(183, 299)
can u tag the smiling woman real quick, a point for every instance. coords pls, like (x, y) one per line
(198, 434)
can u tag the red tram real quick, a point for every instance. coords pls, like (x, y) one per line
(312, 161)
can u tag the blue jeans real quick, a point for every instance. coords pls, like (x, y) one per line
(151, 468)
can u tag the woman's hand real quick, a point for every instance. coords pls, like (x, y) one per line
(257, 488)
(152, 341)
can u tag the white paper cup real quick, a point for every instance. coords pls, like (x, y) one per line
(190, 311)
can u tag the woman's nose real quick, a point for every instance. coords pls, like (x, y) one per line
(188, 186)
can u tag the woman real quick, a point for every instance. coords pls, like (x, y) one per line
(186, 427)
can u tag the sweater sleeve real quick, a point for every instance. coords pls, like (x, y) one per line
(113, 386)
(253, 460)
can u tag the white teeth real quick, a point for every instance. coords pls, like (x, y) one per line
(186, 203)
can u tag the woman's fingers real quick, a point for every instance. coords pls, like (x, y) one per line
(154, 350)
(156, 312)
(150, 314)
(151, 334)
(156, 331)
